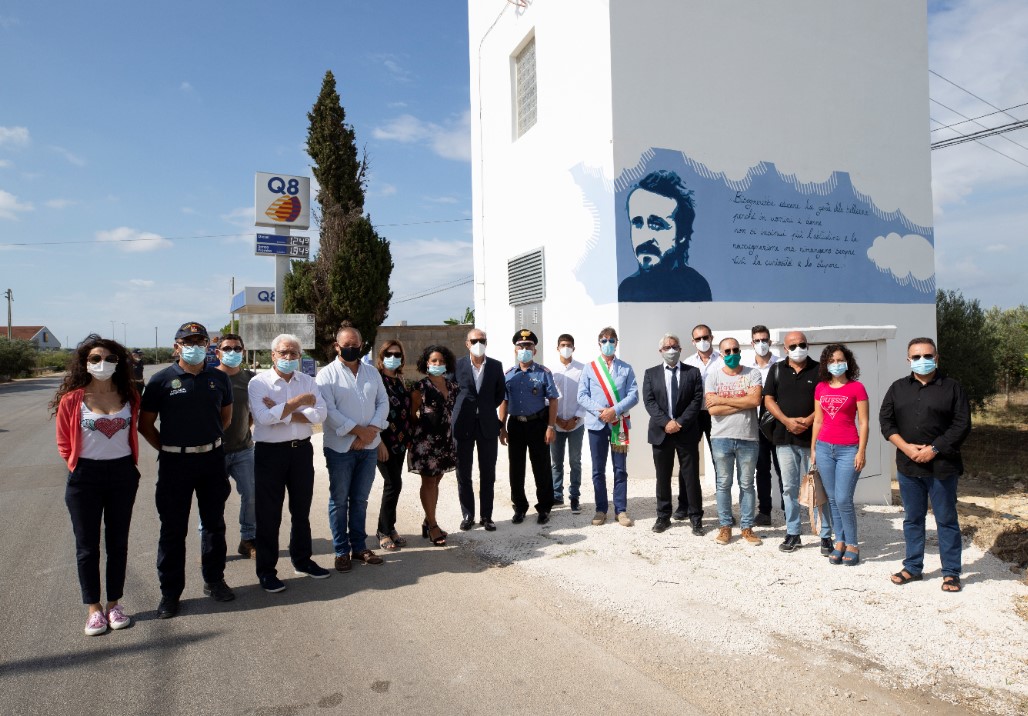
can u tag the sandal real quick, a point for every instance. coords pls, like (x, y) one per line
(904, 577)
(951, 583)
(847, 559)
(386, 542)
(836, 554)
(436, 536)
(397, 539)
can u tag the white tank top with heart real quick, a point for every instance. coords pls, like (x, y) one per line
(105, 437)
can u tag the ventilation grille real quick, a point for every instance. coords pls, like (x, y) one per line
(526, 278)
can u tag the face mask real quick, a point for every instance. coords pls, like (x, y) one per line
(193, 355)
(349, 353)
(525, 355)
(670, 357)
(102, 370)
(566, 352)
(287, 366)
(232, 360)
(478, 349)
(703, 346)
(837, 369)
(799, 355)
(923, 366)
(608, 349)
(437, 370)
(392, 362)
(761, 348)
(732, 361)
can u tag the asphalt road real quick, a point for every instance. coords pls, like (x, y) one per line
(433, 631)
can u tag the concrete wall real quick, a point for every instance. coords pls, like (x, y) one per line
(416, 338)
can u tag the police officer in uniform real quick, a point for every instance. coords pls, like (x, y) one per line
(194, 402)
(528, 422)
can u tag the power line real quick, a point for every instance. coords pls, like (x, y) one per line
(975, 136)
(456, 283)
(962, 89)
(987, 147)
(976, 122)
(973, 119)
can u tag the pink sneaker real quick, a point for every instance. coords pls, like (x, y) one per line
(117, 617)
(96, 625)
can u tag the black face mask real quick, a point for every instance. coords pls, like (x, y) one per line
(349, 353)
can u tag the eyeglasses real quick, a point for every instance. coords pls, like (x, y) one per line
(761, 340)
(926, 356)
(394, 354)
(526, 344)
(731, 351)
(608, 340)
(231, 349)
(287, 354)
(701, 338)
(94, 359)
(476, 341)
(672, 348)
(794, 346)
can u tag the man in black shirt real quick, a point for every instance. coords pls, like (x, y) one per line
(926, 415)
(194, 402)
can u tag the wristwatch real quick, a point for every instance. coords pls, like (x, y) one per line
(552, 427)
(935, 449)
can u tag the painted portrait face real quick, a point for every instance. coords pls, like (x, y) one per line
(653, 228)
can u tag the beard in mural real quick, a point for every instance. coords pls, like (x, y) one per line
(660, 215)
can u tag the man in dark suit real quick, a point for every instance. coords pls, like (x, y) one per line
(673, 396)
(475, 423)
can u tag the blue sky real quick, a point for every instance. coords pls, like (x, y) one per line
(129, 120)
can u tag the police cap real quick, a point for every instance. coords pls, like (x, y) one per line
(524, 335)
(191, 329)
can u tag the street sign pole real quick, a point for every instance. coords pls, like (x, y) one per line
(281, 269)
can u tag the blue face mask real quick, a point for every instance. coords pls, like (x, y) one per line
(436, 370)
(838, 369)
(608, 349)
(232, 360)
(392, 362)
(193, 355)
(923, 366)
(525, 355)
(287, 366)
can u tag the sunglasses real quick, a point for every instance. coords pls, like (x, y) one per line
(193, 343)
(476, 341)
(794, 346)
(672, 348)
(231, 349)
(700, 338)
(525, 345)
(394, 354)
(608, 340)
(94, 359)
(926, 356)
(732, 351)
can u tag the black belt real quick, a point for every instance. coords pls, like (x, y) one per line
(287, 443)
(529, 418)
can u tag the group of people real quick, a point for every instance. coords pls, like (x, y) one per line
(227, 421)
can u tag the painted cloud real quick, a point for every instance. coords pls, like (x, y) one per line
(910, 259)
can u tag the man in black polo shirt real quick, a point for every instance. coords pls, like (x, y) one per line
(927, 416)
(789, 396)
(194, 402)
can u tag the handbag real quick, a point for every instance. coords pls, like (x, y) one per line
(767, 425)
(812, 496)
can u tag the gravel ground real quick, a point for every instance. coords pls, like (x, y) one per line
(969, 648)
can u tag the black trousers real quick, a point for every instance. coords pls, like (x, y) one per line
(765, 458)
(690, 495)
(280, 468)
(529, 436)
(487, 450)
(703, 421)
(178, 477)
(101, 491)
(392, 485)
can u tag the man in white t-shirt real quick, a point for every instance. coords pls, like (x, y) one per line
(762, 359)
(733, 394)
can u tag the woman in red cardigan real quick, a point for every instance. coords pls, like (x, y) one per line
(97, 410)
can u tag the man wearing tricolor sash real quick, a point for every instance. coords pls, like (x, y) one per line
(607, 391)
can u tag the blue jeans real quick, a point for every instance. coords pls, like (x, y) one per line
(239, 466)
(732, 457)
(794, 461)
(350, 476)
(574, 440)
(835, 463)
(916, 491)
(599, 448)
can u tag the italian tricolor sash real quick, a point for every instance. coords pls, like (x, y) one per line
(618, 430)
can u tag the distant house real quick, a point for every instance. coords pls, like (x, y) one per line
(41, 336)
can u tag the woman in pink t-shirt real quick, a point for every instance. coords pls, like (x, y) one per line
(839, 443)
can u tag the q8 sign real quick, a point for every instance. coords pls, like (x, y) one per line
(282, 201)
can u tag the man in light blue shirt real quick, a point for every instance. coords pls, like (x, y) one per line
(607, 391)
(358, 407)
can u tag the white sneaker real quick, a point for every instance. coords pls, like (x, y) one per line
(97, 624)
(117, 617)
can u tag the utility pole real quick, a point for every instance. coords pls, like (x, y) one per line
(124, 334)
(9, 295)
(113, 337)
(155, 346)
(232, 315)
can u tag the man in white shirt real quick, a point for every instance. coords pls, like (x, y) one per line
(570, 424)
(358, 410)
(704, 358)
(762, 359)
(284, 404)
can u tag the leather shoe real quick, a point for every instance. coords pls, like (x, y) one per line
(543, 518)
(762, 520)
(680, 515)
(367, 557)
(489, 525)
(167, 608)
(343, 563)
(518, 517)
(661, 524)
(466, 524)
(697, 529)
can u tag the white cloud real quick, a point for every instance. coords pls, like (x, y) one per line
(141, 282)
(5, 163)
(14, 136)
(60, 203)
(450, 141)
(132, 240)
(443, 199)
(384, 190)
(7, 21)
(10, 206)
(397, 105)
(241, 217)
(72, 158)
(185, 87)
(392, 64)
(910, 258)
(187, 210)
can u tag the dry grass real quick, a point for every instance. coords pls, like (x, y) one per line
(998, 444)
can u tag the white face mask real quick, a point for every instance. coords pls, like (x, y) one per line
(761, 348)
(799, 355)
(478, 349)
(703, 346)
(566, 352)
(102, 370)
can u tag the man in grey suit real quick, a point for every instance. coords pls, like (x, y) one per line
(475, 423)
(673, 396)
